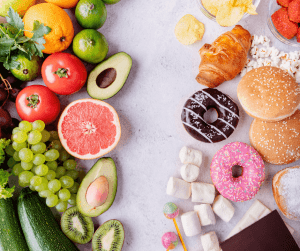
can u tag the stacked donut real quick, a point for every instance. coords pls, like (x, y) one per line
(272, 97)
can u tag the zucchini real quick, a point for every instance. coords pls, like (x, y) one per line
(11, 235)
(42, 232)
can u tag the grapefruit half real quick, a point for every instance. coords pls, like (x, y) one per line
(89, 128)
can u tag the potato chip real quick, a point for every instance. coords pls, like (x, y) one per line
(188, 30)
(212, 6)
(229, 15)
(251, 9)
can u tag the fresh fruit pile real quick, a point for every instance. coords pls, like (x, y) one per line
(40, 162)
(287, 18)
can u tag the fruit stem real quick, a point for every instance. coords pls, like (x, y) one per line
(7, 88)
(90, 41)
(33, 100)
(62, 39)
(62, 73)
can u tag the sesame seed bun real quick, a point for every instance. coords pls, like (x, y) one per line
(269, 93)
(277, 142)
(285, 188)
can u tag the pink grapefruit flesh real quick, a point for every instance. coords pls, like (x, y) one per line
(97, 192)
(89, 128)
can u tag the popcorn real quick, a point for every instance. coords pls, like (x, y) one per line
(274, 52)
(267, 62)
(283, 55)
(249, 68)
(263, 53)
(297, 76)
(294, 55)
(266, 41)
(260, 62)
(254, 40)
(243, 72)
(261, 39)
(254, 51)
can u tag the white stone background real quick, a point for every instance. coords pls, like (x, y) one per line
(149, 105)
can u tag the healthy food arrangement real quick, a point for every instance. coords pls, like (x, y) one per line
(269, 92)
(41, 149)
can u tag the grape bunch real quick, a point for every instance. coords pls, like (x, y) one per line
(40, 162)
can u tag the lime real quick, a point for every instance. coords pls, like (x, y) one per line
(28, 70)
(111, 1)
(91, 14)
(90, 46)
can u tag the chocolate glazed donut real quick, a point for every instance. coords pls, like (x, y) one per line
(199, 103)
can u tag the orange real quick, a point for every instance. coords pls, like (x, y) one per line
(66, 4)
(57, 19)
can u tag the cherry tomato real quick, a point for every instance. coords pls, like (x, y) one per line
(37, 102)
(64, 73)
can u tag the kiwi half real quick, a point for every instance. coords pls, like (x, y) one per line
(76, 226)
(109, 236)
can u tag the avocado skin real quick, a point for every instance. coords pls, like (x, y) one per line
(122, 63)
(103, 167)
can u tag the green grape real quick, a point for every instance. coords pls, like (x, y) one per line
(63, 155)
(35, 181)
(73, 174)
(32, 188)
(39, 148)
(52, 165)
(51, 155)
(53, 135)
(11, 162)
(25, 155)
(17, 169)
(25, 177)
(19, 137)
(21, 184)
(18, 146)
(55, 144)
(25, 126)
(64, 194)
(26, 165)
(33, 169)
(60, 171)
(44, 180)
(45, 136)
(38, 125)
(70, 164)
(72, 200)
(45, 193)
(74, 188)
(51, 175)
(34, 137)
(41, 170)
(66, 181)
(16, 156)
(10, 150)
(52, 200)
(62, 206)
(41, 187)
(54, 185)
(15, 130)
(39, 159)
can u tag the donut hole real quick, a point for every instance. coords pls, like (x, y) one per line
(210, 116)
(237, 171)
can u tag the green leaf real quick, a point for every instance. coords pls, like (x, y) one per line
(22, 39)
(14, 19)
(12, 64)
(39, 30)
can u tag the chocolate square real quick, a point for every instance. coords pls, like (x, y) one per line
(268, 234)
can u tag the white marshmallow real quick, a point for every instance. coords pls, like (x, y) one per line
(206, 214)
(189, 172)
(223, 208)
(191, 223)
(179, 188)
(203, 192)
(210, 242)
(190, 156)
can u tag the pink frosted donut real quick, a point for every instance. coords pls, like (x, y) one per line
(244, 187)
(169, 240)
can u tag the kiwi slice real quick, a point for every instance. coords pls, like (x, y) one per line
(76, 226)
(109, 236)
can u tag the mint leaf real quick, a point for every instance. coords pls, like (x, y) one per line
(14, 19)
(39, 30)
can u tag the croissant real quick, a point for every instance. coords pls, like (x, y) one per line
(225, 58)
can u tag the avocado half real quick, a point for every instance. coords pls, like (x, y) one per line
(109, 76)
(103, 167)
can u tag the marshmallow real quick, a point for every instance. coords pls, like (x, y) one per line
(190, 156)
(206, 214)
(203, 192)
(223, 208)
(179, 188)
(189, 172)
(210, 242)
(190, 223)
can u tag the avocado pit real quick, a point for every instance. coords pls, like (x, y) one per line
(106, 78)
(97, 192)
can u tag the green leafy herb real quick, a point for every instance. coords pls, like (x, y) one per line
(14, 42)
(5, 192)
(3, 144)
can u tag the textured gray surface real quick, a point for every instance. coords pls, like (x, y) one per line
(149, 105)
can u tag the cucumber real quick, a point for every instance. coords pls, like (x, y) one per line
(11, 235)
(42, 232)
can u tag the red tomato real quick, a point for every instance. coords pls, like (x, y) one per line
(37, 102)
(64, 73)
